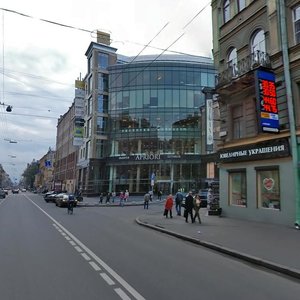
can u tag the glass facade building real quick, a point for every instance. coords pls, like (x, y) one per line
(155, 125)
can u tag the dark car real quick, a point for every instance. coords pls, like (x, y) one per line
(15, 191)
(50, 196)
(2, 194)
(61, 200)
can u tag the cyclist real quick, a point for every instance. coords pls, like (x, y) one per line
(71, 202)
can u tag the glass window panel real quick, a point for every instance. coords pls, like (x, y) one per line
(161, 99)
(146, 77)
(102, 60)
(175, 98)
(211, 80)
(237, 188)
(204, 79)
(168, 77)
(132, 100)
(226, 11)
(190, 99)
(183, 98)
(268, 188)
(241, 4)
(139, 99)
(169, 98)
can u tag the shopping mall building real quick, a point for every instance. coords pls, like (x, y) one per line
(144, 124)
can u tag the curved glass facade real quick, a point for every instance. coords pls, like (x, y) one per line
(155, 123)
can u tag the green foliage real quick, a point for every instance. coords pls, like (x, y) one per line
(29, 173)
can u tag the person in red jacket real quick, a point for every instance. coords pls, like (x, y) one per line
(168, 206)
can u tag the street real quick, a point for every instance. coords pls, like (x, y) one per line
(101, 253)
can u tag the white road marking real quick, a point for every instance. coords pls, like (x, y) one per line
(72, 243)
(94, 266)
(107, 279)
(85, 256)
(78, 248)
(100, 262)
(67, 238)
(121, 293)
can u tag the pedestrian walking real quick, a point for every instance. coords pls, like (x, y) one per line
(178, 202)
(146, 200)
(151, 195)
(113, 195)
(101, 198)
(197, 205)
(107, 198)
(168, 206)
(189, 205)
(159, 194)
(122, 196)
(126, 196)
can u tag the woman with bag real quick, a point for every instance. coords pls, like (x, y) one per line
(197, 205)
(168, 206)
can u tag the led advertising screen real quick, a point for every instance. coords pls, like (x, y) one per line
(267, 101)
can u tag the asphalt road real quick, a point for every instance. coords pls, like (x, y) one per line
(101, 253)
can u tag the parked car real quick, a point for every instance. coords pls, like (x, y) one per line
(50, 196)
(23, 190)
(15, 191)
(2, 194)
(6, 191)
(61, 200)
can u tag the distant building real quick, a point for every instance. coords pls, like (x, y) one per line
(143, 122)
(44, 178)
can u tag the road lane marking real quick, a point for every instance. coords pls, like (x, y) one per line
(78, 248)
(121, 293)
(72, 243)
(95, 266)
(107, 279)
(85, 256)
(100, 262)
(67, 238)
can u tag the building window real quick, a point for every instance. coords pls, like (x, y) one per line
(102, 61)
(232, 62)
(102, 103)
(100, 125)
(226, 11)
(258, 46)
(268, 187)
(297, 24)
(102, 82)
(237, 122)
(237, 188)
(241, 4)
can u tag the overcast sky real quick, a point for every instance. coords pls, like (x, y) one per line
(41, 60)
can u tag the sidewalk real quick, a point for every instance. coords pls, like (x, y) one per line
(272, 246)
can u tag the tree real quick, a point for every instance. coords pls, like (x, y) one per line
(30, 172)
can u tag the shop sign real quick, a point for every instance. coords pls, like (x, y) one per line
(267, 101)
(265, 150)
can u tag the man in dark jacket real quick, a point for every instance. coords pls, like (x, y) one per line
(189, 204)
(178, 202)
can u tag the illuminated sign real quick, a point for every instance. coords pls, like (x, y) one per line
(267, 101)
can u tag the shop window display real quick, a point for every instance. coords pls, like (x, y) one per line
(268, 188)
(237, 188)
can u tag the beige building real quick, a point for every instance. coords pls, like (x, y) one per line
(258, 91)
(67, 150)
(44, 178)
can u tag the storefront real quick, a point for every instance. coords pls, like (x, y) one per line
(256, 182)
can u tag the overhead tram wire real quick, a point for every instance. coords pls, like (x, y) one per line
(167, 49)
(47, 21)
(145, 47)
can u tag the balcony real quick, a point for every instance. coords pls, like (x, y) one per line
(242, 67)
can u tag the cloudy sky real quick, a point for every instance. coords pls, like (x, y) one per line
(40, 60)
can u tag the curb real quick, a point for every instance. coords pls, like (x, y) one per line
(295, 273)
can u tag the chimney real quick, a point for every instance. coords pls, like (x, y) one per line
(103, 38)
